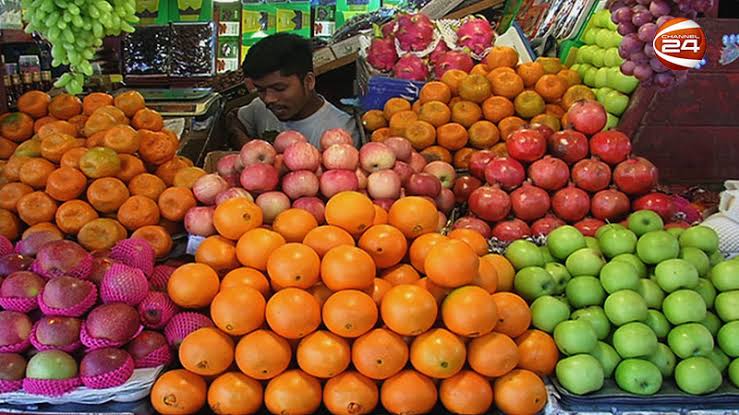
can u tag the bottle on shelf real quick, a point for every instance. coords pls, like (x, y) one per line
(46, 82)
(36, 81)
(9, 92)
(27, 81)
(17, 85)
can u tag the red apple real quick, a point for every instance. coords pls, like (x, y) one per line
(199, 221)
(660, 203)
(207, 187)
(384, 203)
(257, 151)
(376, 156)
(313, 205)
(384, 184)
(442, 221)
(361, 178)
(340, 156)
(442, 170)
(259, 178)
(400, 146)
(229, 165)
(280, 165)
(302, 156)
(423, 184)
(478, 161)
(403, 171)
(465, 185)
(287, 138)
(587, 116)
(336, 181)
(232, 193)
(335, 136)
(272, 204)
(417, 162)
(301, 183)
(445, 200)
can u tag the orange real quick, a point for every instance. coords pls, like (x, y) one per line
(131, 166)
(408, 392)
(493, 354)
(293, 392)
(255, 247)
(537, 352)
(472, 238)
(218, 253)
(420, 134)
(157, 236)
(480, 69)
(520, 392)
(551, 87)
(100, 234)
(148, 119)
(95, 100)
(95, 140)
(234, 393)
(350, 211)
(293, 313)
(57, 127)
(380, 134)
(35, 208)
(156, 147)
(73, 215)
(408, 310)
(46, 227)
(294, 224)
(186, 177)
(7, 148)
(483, 135)
(206, 352)
(100, 121)
(35, 172)
(469, 311)
(178, 392)
(552, 65)
(452, 136)
(129, 102)
(514, 315)
(380, 216)
(436, 153)
(235, 217)
(193, 285)
(238, 311)
(547, 119)
(570, 76)
(11, 192)
(421, 247)
(41, 122)
(174, 203)
(349, 313)
(321, 293)
(435, 113)
(487, 276)
(65, 183)
(350, 393)
(528, 104)
(401, 274)
(435, 91)
(530, 72)
(148, 185)
(248, 277)
(385, 244)
(466, 393)
(416, 107)
(71, 158)
(573, 94)
(122, 139)
(502, 56)
(78, 121)
(11, 171)
(506, 83)
(169, 169)
(508, 125)
(323, 354)
(496, 108)
(474, 88)
(10, 226)
(414, 216)
(34, 103)
(65, 106)
(106, 195)
(373, 120)
(462, 157)
(557, 110)
(452, 78)
(294, 265)
(395, 105)
(438, 353)
(455, 273)
(262, 354)
(503, 269)
(379, 354)
(16, 126)
(347, 267)
(466, 113)
(379, 288)
(400, 121)
(53, 146)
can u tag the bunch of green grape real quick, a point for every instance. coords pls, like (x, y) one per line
(75, 29)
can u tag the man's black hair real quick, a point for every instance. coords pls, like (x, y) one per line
(288, 53)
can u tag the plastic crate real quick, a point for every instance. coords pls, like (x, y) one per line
(381, 88)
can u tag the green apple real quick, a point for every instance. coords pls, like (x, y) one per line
(605, 228)
(706, 290)
(603, 38)
(725, 276)
(601, 78)
(533, 282)
(643, 221)
(701, 237)
(51, 365)
(619, 275)
(560, 275)
(727, 305)
(602, 92)
(633, 260)
(590, 73)
(546, 255)
(638, 376)
(684, 306)
(624, 307)
(616, 102)
(597, 319)
(651, 293)
(611, 121)
(719, 358)
(675, 231)
(607, 357)
(580, 374)
(728, 338)
(690, 339)
(658, 323)
(634, 340)
(734, 372)
(593, 244)
(575, 336)
(585, 291)
(599, 55)
(615, 242)
(664, 359)
(697, 376)
(612, 58)
(698, 258)
(565, 240)
(712, 323)
(656, 246)
(625, 84)
(547, 312)
(584, 261)
(716, 258)
(675, 274)
(524, 254)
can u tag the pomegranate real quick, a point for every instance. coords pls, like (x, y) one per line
(677, 224)
(478, 161)
(463, 186)
(505, 171)
(511, 230)
(545, 130)
(526, 144)
(660, 203)
(549, 173)
(569, 145)
(490, 203)
(545, 225)
(591, 175)
(635, 176)
(611, 146)
(587, 116)
(589, 226)
(471, 222)
(529, 202)
(610, 205)
(571, 204)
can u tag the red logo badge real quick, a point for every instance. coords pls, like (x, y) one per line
(680, 44)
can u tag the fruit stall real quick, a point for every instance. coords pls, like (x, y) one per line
(523, 229)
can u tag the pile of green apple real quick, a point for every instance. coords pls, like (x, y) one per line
(598, 64)
(638, 304)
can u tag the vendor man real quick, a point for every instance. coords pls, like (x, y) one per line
(280, 68)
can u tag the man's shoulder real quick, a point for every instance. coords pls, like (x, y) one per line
(255, 106)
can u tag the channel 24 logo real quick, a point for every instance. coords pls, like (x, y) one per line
(680, 44)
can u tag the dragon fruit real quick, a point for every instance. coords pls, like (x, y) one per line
(414, 32)
(475, 34)
(453, 60)
(381, 54)
(388, 29)
(438, 53)
(412, 68)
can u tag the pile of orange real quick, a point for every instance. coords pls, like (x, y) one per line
(462, 113)
(373, 308)
(99, 168)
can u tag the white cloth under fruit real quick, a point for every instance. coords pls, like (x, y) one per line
(726, 221)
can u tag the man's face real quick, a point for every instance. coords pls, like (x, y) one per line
(285, 96)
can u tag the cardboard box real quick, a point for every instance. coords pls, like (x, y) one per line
(437, 9)
(322, 57)
(189, 11)
(211, 159)
(152, 12)
(347, 46)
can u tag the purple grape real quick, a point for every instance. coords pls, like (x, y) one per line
(680, 75)
(626, 28)
(659, 8)
(629, 45)
(644, 2)
(647, 32)
(639, 8)
(627, 68)
(657, 66)
(702, 6)
(664, 79)
(641, 18)
(622, 15)
(643, 72)
(649, 51)
(639, 58)
(663, 19)
(692, 14)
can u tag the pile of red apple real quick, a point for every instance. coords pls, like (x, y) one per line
(581, 175)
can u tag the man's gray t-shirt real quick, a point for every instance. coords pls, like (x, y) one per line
(258, 120)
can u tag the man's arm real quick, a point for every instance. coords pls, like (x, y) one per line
(235, 130)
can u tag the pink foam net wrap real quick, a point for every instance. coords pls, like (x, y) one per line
(19, 304)
(82, 270)
(183, 324)
(50, 387)
(41, 347)
(159, 303)
(93, 343)
(157, 357)
(10, 385)
(19, 347)
(123, 284)
(6, 247)
(111, 379)
(75, 311)
(135, 252)
(160, 277)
